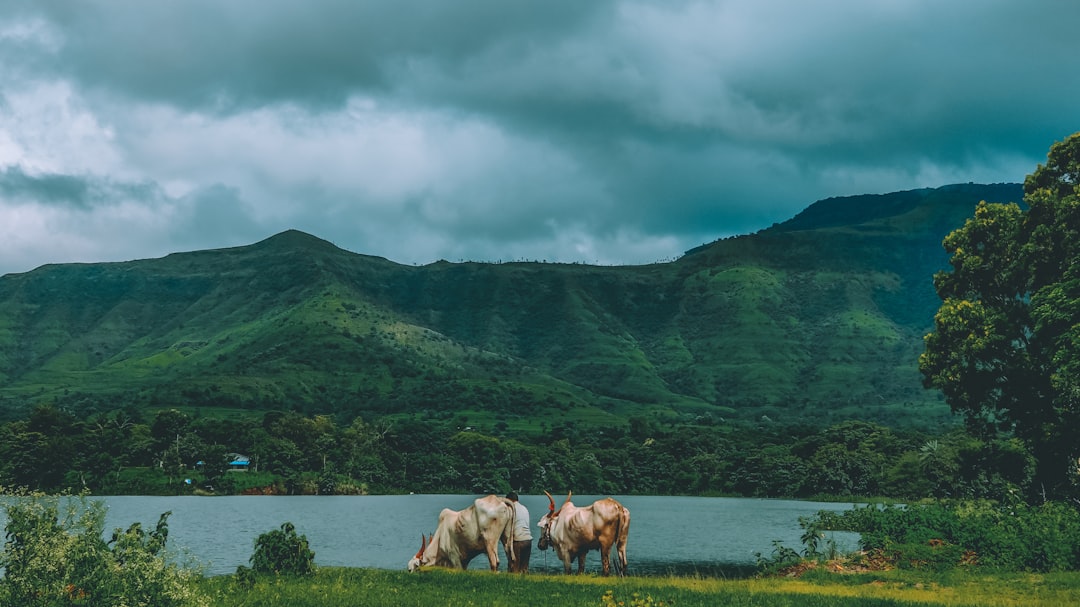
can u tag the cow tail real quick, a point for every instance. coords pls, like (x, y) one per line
(510, 536)
(622, 532)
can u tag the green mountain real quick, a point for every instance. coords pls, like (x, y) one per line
(813, 320)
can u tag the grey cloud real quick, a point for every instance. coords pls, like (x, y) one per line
(231, 55)
(213, 217)
(830, 79)
(62, 218)
(77, 191)
(841, 94)
(494, 128)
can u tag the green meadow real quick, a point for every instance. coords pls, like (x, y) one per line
(334, 587)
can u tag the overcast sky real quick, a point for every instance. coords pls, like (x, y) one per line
(613, 132)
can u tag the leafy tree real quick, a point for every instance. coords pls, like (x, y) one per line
(837, 470)
(770, 472)
(50, 421)
(1005, 349)
(482, 460)
(283, 551)
(54, 554)
(524, 465)
(991, 469)
(168, 426)
(938, 465)
(215, 463)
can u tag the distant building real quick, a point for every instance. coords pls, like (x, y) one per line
(239, 462)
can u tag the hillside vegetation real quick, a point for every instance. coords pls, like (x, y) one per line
(819, 318)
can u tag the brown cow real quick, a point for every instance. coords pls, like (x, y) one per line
(575, 531)
(461, 535)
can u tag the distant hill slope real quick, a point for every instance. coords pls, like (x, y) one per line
(819, 318)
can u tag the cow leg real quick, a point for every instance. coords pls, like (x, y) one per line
(581, 562)
(493, 556)
(605, 559)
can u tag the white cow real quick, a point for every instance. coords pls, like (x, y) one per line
(461, 535)
(575, 531)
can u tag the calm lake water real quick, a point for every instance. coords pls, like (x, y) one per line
(680, 535)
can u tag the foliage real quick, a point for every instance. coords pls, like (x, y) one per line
(817, 321)
(782, 558)
(55, 554)
(1005, 349)
(1005, 536)
(296, 454)
(283, 552)
(715, 374)
(785, 559)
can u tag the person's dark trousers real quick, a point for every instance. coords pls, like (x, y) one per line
(522, 552)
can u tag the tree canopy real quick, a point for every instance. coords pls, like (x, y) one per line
(1005, 349)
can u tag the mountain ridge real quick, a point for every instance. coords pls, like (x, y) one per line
(814, 318)
(857, 210)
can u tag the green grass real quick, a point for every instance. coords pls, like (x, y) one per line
(332, 587)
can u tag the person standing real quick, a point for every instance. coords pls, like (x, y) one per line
(522, 536)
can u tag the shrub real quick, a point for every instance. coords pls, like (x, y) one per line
(782, 558)
(58, 556)
(1007, 536)
(282, 551)
(933, 555)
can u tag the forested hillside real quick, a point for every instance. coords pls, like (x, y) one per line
(781, 363)
(818, 318)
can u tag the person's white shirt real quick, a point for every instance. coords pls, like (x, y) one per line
(521, 523)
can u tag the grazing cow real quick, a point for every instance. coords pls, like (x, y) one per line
(575, 531)
(461, 535)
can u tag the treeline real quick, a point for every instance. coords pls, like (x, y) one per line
(290, 453)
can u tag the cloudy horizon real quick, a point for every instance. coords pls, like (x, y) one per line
(613, 131)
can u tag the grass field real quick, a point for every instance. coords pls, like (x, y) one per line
(334, 587)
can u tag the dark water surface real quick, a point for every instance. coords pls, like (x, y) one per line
(668, 535)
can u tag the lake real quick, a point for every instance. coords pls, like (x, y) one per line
(668, 535)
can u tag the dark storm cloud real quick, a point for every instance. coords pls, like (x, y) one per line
(617, 131)
(77, 191)
(242, 53)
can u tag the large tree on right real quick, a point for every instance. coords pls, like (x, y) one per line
(1005, 350)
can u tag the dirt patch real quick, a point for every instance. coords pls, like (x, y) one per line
(859, 562)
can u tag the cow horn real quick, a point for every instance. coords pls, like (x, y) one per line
(551, 508)
(423, 545)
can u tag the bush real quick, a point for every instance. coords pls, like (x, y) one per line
(52, 559)
(282, 551)
(782, 558)
(1004, 536)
